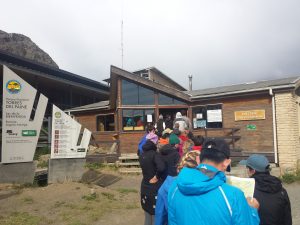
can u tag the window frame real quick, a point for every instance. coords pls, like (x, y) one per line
(106, 114)
(209, 125)
(144, 121)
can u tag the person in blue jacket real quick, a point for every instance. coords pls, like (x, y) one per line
(191, 160)
(200, 196)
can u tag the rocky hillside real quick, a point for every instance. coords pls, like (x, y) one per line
(19, 44)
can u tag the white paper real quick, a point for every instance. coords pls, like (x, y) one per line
(247, 185)
(214, 115)
(149, 118)
(199, 116)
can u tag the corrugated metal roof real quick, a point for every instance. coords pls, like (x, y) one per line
(245, 87)
(97, 105)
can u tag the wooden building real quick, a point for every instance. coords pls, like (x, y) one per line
(261, 117)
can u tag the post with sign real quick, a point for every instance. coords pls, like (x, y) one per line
(67, 155)
(20, 128)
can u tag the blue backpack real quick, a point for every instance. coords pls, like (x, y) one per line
(141, 143)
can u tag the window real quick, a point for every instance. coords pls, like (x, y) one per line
(166, 100)
(209, 116)
(105, 122)
(137, 119)
(133, 94)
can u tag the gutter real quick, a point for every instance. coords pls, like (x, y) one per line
(274, 126)
(243, 91)
(81, 110)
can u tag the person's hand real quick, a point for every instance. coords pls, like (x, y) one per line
(153, 180)
(253, 202)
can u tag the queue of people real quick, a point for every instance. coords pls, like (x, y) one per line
(184, 182)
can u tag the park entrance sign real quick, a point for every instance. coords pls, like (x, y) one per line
(21, 121)
(65, 136)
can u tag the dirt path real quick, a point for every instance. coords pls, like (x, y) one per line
(75, 204)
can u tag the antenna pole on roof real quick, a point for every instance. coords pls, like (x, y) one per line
(122, 43)
(190, 82)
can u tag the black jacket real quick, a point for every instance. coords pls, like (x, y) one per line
(169, 123)
(160, 127)
(275, 207)
(151, 164)
(171, 158)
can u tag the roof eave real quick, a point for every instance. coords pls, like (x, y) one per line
(290, 86)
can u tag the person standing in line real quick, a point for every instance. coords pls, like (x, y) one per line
(149, 129)
(275, 206)
(160, 125)
(180, 121)
(187, 120)
(153, 169)
(190, 160)
(169, 122)
(170, 155)
(200, 196)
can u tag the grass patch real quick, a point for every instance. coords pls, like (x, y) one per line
(42, 164)
(28, 200)
(41, 151)
(289, 178)
(109, 196)
(20, 218)
(127, 190)
(94, 166)
(90, 197)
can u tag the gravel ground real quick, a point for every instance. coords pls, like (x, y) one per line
(55, 204)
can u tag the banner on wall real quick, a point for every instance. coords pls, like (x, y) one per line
(21, 124)
(65, 136)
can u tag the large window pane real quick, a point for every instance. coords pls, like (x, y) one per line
(129, 93)
(177, 102)
(137, 119)
(146, 96)
(164, 100)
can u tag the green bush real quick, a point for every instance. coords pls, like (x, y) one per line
(291, 177)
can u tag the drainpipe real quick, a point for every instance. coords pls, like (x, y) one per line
(274, 125)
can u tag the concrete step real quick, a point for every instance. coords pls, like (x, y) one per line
(130, 170)
(127, 164)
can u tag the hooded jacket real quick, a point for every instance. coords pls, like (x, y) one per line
(200, 196)
(180, 121)
(171, 157)
(161, 209)
(152, 165)
(275, 207)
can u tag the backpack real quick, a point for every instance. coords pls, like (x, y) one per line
(141, 143)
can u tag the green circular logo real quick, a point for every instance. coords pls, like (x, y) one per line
(57, 115)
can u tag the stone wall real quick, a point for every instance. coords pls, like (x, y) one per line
(287, 131)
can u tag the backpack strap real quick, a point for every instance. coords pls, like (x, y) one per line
(226, 200)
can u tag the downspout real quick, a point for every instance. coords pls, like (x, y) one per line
(274, 126)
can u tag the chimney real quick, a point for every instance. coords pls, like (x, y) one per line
(190, 82)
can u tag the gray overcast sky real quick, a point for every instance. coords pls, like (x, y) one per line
(220, 42)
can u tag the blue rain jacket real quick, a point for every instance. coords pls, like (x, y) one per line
(161, 208)
(196, 198)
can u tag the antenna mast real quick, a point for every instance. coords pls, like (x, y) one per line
(122, 43)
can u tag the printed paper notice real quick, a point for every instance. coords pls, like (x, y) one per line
(149, 118)
(247, 185)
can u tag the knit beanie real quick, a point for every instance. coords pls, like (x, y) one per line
(173, 139)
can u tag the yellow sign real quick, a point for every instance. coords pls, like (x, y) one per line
(259, 114)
